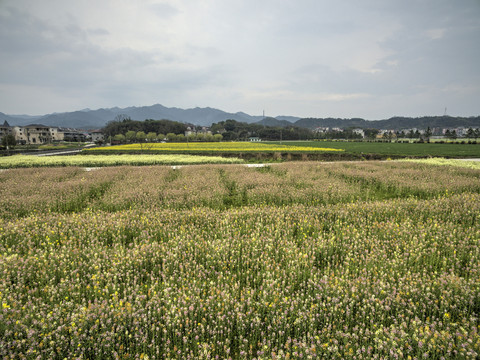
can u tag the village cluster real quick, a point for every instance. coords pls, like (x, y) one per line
(41, 134)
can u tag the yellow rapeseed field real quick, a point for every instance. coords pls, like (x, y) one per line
(213, 147)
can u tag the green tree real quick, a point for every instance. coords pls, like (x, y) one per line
(119, 137)
(181, 137)
(130, 135)
(470, 133)
(160, 136)
(209, 137)
(451, 134)
(200, 136)
(151, 136)
(141, 136)
(371, 133)
(171, 137)
(123, 124)
(231, 125)
(191, 137)
(428, 133)
(217, 137)
(9, 142)
(230, 135)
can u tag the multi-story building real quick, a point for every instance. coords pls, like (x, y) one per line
(40, 134)
(37, 134)
(57, 134)
(20, 135)
(360, 132)
(74, 135)
(97, 135)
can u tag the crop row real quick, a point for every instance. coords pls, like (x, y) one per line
(24, 161)
(30, 190)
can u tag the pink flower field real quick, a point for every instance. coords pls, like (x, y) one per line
(307, 260)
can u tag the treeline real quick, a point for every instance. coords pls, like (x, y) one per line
(234, 130)
(394, 123)
(117, 127)
(425, 122)
(229, 130)
(140, 136)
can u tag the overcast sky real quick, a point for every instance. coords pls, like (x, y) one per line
(310, 58)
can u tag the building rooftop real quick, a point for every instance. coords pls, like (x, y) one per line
(37, 126)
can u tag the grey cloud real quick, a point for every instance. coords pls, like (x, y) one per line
(98, 32)
(241, 53)
(163, 10)
(24, 37)
(22, 34)
(323, 79)
(432, 62)
(42, 54)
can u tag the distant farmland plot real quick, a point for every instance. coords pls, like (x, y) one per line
(396, 149)
(327, 150)
(217, 147)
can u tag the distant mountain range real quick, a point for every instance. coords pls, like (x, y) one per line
(96, 119)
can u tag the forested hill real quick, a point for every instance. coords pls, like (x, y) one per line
(394, 123)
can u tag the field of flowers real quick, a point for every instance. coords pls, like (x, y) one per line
(471, 164)
(295, 260)
(215, 147)
(23, 161)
